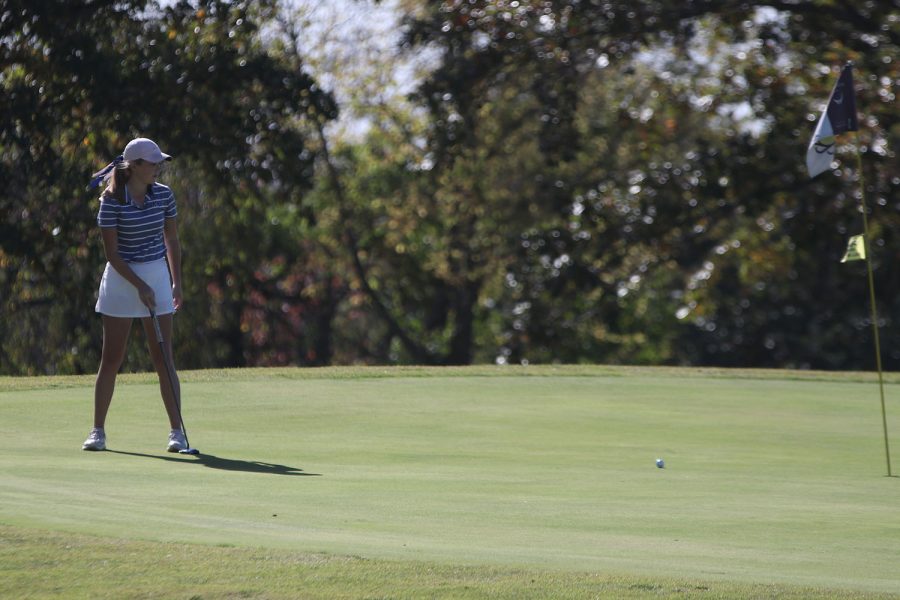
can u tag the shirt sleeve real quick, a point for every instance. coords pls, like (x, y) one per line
(109, 213)
(171, 209)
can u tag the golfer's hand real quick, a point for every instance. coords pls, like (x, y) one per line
(176, 296)
(145, 293)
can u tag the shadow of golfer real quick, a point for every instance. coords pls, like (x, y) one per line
(226, 464)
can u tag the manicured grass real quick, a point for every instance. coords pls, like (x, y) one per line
(453, 482)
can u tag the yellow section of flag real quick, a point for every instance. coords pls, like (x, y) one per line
(856, 249)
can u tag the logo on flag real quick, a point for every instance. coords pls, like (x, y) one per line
(838, 117)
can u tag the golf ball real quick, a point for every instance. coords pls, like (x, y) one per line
(660, 463)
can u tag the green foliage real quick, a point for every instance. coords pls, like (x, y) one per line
(616, 182)
(671, 219)
(81, 78)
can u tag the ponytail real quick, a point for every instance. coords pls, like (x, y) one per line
(116, 188)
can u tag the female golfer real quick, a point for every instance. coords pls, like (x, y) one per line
(137, 222)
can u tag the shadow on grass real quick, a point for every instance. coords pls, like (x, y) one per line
(226, 464)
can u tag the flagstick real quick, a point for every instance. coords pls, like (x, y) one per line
(862, 200)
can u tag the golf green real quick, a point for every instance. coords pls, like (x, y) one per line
(768, 479)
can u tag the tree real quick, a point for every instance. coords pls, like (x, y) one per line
(691, 212)
(572, 181)
(80, 79)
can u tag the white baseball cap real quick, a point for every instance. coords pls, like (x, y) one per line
(145, 149)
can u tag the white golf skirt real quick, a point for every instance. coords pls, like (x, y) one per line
(118, 298)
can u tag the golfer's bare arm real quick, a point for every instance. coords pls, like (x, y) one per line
(173, 252)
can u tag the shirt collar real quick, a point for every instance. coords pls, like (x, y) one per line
(131, 200)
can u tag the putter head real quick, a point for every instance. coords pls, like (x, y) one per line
(191, 451)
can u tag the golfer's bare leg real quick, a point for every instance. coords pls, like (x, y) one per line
(165, 326)
(115, 342)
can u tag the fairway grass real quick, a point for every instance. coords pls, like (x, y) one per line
(478, 482)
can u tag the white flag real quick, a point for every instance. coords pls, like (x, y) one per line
(839, 116)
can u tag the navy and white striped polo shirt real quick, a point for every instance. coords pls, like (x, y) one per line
(140, 230)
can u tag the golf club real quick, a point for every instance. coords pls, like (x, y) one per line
(171, 377)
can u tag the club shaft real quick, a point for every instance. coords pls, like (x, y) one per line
(170, 371)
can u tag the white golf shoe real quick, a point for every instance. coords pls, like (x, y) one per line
(177, 443)
(96, 440)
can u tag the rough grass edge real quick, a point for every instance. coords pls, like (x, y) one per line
(38, 563)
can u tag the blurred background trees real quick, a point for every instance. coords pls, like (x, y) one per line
(509, 181)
